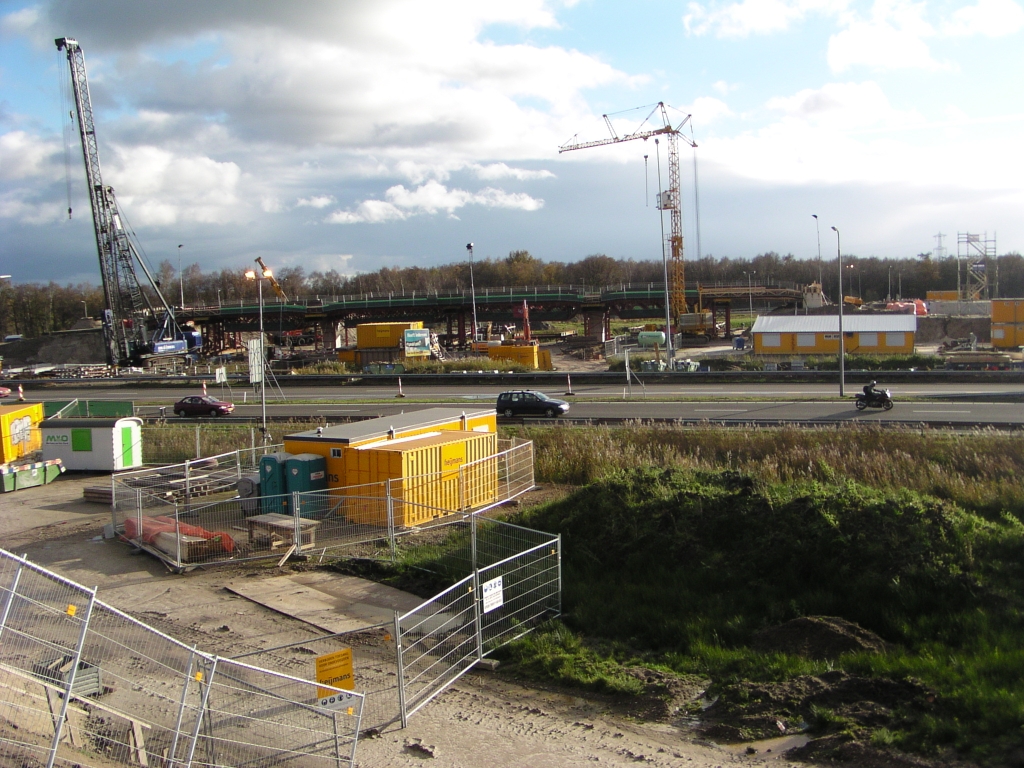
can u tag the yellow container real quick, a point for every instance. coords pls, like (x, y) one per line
(940, 296)
(384, 334)
(525, 355)
(425, 476)
(1008, 311)
(347, 355)
(19, 430)
(336, 444)
(1007, 335)
(544, 360)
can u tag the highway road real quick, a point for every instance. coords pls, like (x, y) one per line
(933, 404)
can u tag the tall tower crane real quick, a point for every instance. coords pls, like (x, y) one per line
(669, 200)
(133, 328)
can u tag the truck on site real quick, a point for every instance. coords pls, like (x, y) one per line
(139, 325)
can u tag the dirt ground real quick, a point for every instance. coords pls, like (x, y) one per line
(481, 720)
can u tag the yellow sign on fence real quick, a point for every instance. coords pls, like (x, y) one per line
(335, 669)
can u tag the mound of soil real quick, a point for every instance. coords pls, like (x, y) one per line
(750, 711)
(818, 637)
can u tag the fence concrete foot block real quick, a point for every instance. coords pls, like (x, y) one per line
(486, 665)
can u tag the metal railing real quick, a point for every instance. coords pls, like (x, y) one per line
(85, 684)
(190, 514)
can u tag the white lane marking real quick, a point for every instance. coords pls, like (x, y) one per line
(941, 411)
(721, 410)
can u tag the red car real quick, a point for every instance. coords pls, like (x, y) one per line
(202, 405)
(5, 392)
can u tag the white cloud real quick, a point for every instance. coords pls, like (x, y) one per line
(752, 17)
(316, 201)
(842, 106)
(992, 18)
(502, 171)
(707, 109)
(850, 134)
(723, 87)
(158, 188)
(893, 38)
(19, 22)
(431, 198)
(23, 155)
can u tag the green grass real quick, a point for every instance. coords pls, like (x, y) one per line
(680, 567)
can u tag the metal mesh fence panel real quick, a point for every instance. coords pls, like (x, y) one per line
(374, 663)
(438, 644)
(529, 584)
(82, 683)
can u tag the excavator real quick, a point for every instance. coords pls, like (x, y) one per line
(139, 326)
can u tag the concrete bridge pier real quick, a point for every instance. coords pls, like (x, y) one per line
(596, 324)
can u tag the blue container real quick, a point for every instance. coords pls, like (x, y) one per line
(273, 485)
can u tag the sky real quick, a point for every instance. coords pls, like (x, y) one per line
(368, 133)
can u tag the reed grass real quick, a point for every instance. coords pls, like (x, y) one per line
(166, 442)
(980, 471)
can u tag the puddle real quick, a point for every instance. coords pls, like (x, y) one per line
(768, 747)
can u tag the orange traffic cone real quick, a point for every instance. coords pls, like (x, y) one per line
(204, 389)
(568, 380)
(21, 393)
(400, 392)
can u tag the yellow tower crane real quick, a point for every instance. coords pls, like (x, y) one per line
(669, 200)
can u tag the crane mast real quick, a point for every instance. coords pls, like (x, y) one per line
(130, 313)
(670, 200)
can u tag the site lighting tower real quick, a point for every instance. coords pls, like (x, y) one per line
(842, 340)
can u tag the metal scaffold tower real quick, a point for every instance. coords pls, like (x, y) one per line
(975, 255)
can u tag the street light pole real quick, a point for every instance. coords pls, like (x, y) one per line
(472, 289)
(842, 341)
(181, 278)
(817, 229)
(750, 295)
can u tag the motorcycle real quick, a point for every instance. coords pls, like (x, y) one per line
(880, 398)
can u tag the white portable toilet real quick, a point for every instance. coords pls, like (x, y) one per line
(94, 444)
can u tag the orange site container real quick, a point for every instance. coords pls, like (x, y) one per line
(1009, 311)
(19, 430)
(941, 296)
(1007, 335)
(429, 477)
(370, 335)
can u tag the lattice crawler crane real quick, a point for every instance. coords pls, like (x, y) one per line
(135, 330)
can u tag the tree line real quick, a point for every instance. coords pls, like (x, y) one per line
(32, 309)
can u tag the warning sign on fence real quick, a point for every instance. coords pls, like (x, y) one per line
(494, 596)
(335, 669)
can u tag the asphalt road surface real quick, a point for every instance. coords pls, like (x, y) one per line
(934, 404)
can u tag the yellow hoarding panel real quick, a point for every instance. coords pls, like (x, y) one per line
(19, 430)
(383, 334)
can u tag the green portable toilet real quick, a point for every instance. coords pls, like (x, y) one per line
(273, 486)
(305, 472)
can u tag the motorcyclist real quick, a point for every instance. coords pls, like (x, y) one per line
(869, 390)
